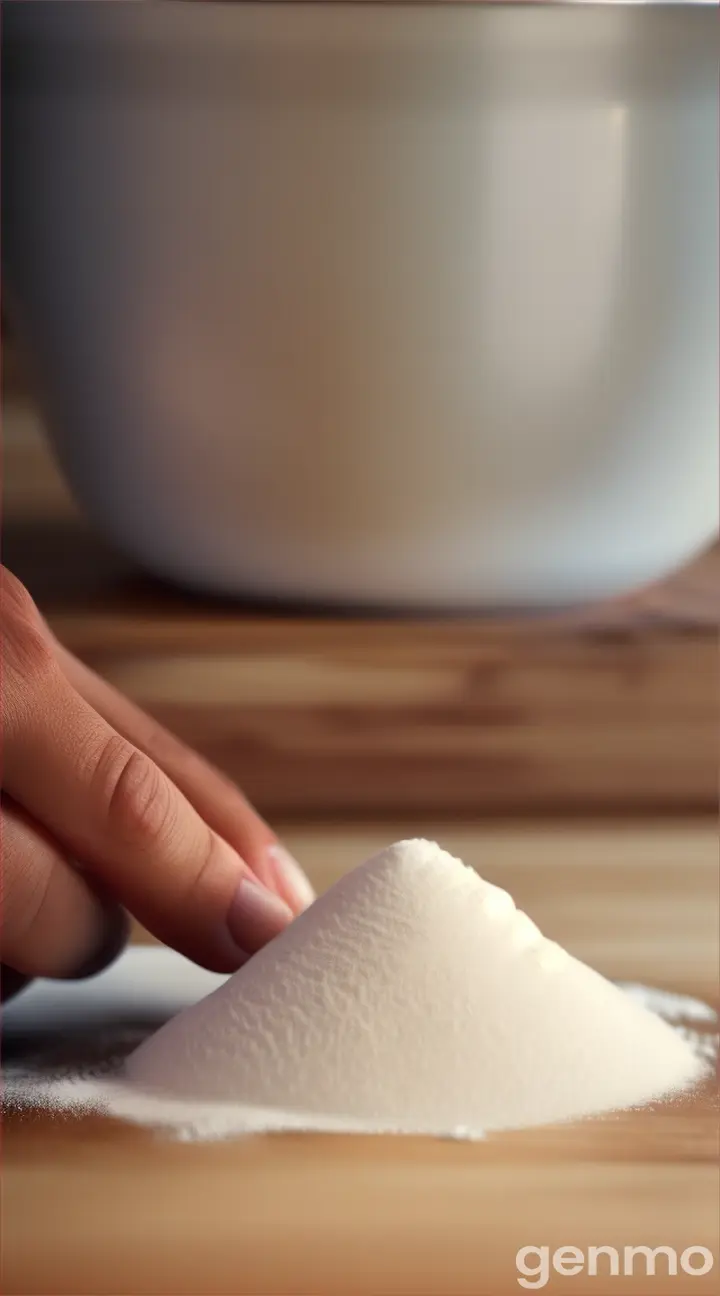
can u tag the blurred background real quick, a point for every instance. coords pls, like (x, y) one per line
(571, 757)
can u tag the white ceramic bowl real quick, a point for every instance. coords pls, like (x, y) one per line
(409, 304)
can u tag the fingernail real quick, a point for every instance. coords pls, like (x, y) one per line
(291, 879)
(256, 916)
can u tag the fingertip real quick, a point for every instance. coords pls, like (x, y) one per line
(114, 935)
(291, 881)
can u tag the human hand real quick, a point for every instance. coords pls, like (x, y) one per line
(104, 811)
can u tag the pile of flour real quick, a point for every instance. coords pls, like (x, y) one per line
(413, 997)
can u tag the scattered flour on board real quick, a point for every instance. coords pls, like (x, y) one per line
(413, 997)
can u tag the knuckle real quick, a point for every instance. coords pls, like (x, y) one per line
(135, 794)
(205, 869)
(33, 659)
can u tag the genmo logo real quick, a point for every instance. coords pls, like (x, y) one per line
(537, 1264)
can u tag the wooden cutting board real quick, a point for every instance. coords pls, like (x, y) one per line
(95, 1208)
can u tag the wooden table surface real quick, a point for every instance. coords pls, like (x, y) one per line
(94, 1208)
(352, 732)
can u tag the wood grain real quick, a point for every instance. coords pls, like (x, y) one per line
(94, 1208)
(611, 710)
(97, 1211)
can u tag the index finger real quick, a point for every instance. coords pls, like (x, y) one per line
(220, 803)
(131, 827)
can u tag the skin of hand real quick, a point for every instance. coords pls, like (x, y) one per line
(104, 812)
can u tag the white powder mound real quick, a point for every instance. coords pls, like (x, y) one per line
(414, 997)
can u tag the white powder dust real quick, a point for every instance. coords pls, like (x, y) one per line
(412, 997)
(673, 1007)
